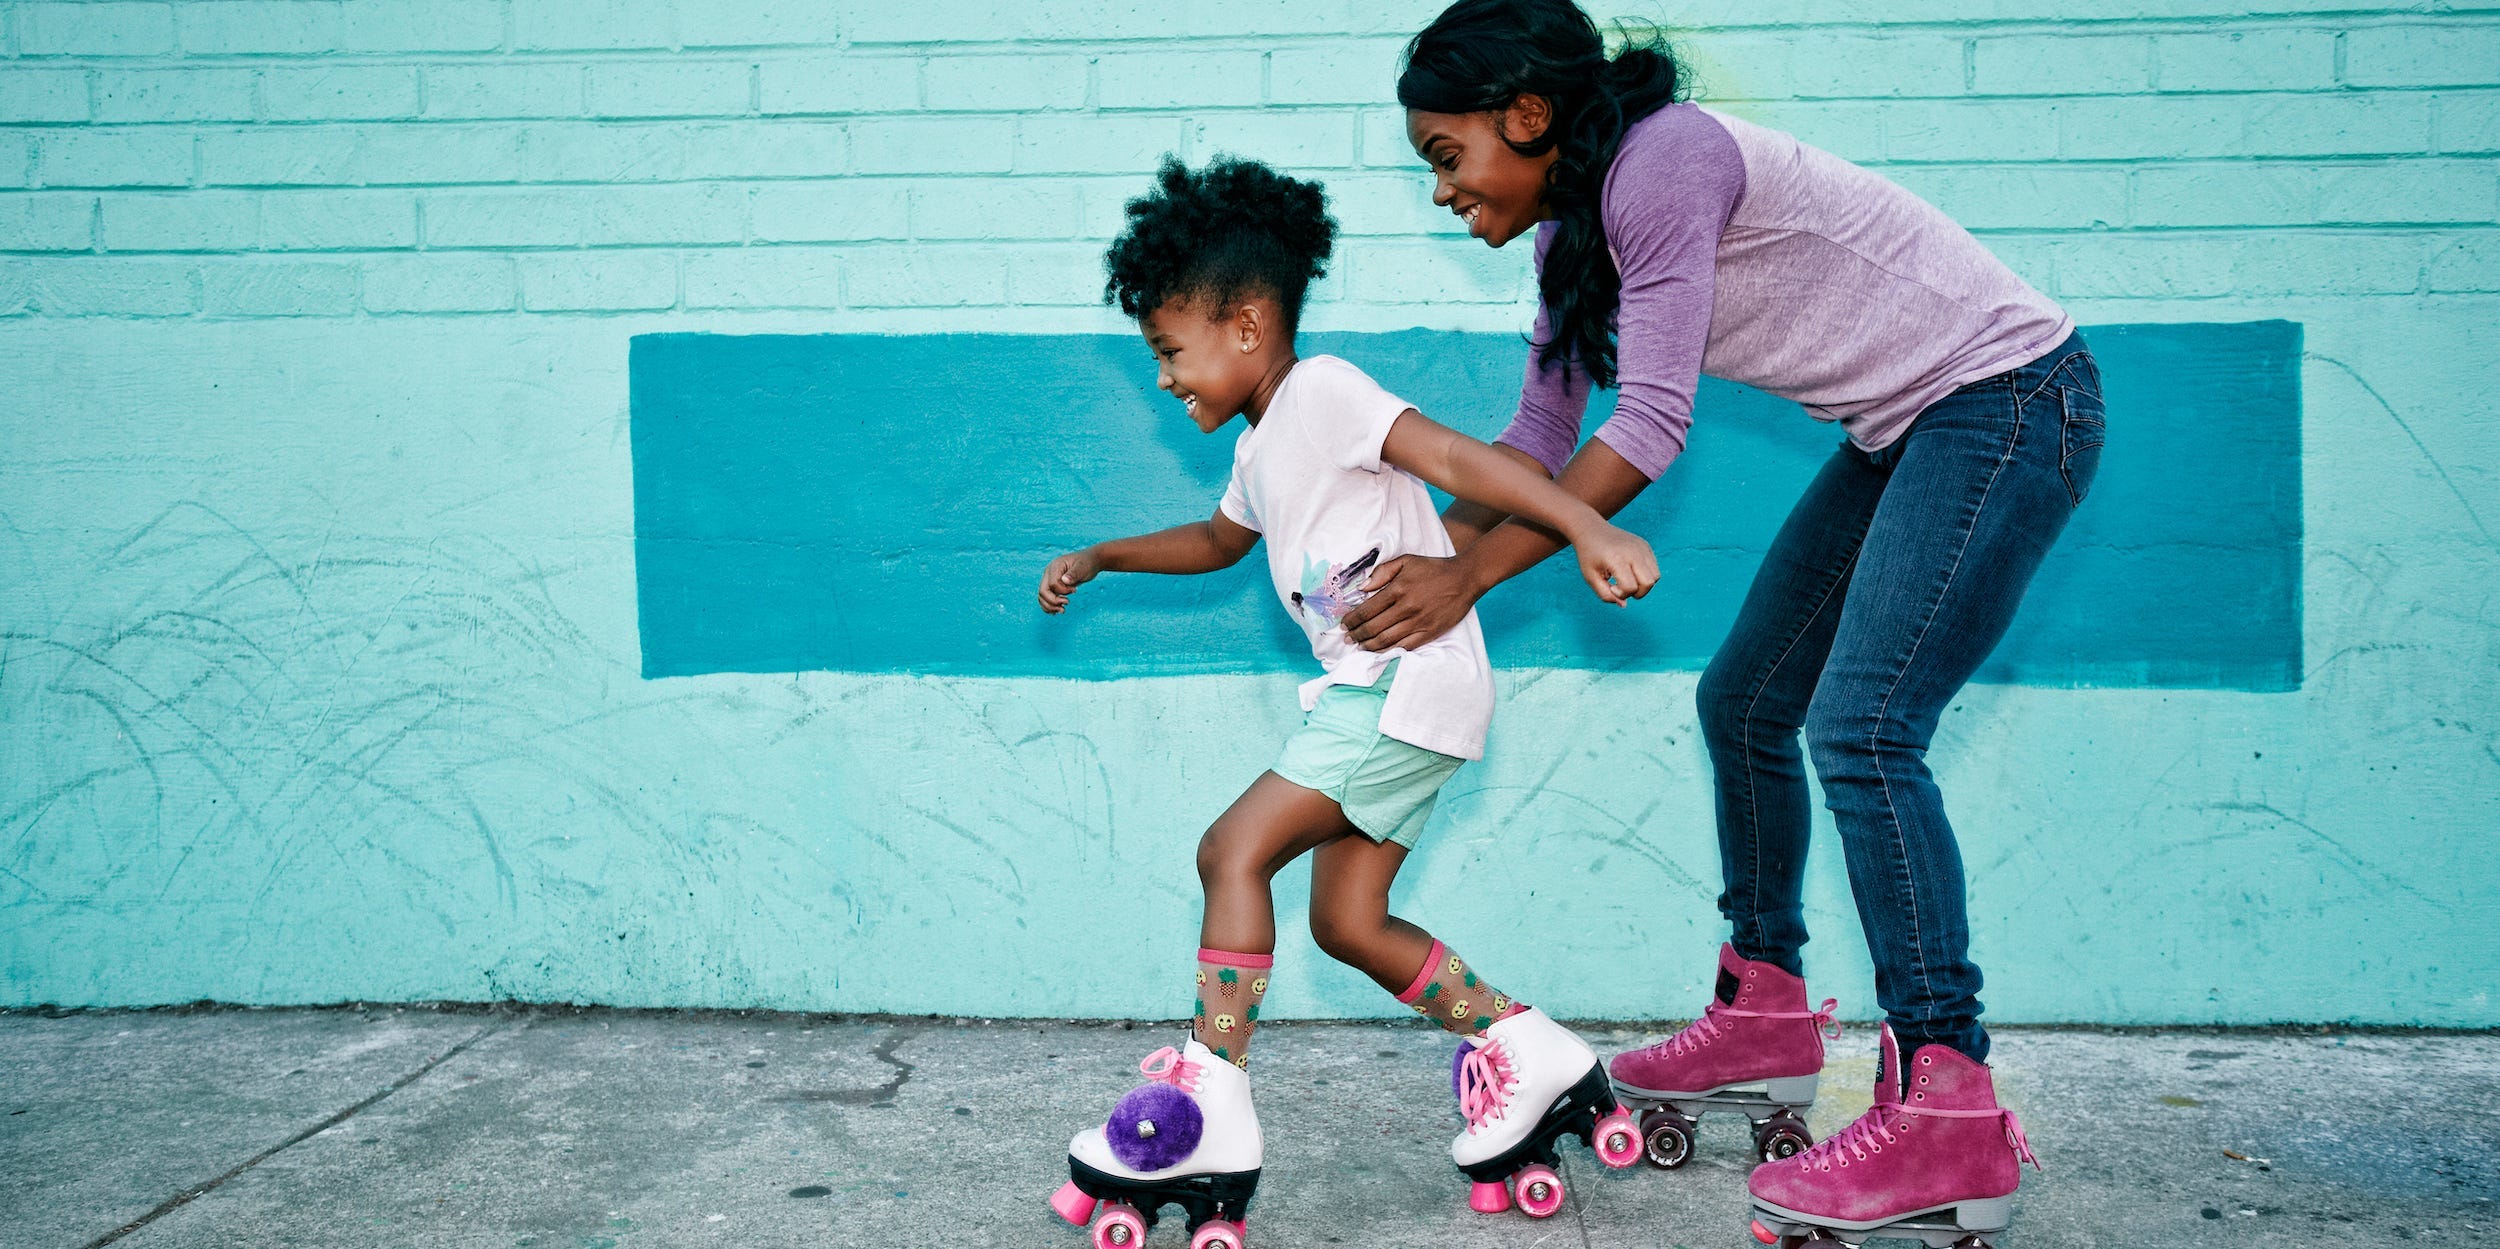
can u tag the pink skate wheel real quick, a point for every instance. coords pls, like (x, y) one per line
(1540, 1192)
(1073, 1204)
(1119, 1226)
(1617, 1139)
(1764, 1234)
(1488, 1198)
(1217, 1234)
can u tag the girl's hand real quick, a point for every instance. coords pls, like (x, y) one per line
(1617, 564)
(1064, 575)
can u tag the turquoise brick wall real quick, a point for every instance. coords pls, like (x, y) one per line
(319, 671)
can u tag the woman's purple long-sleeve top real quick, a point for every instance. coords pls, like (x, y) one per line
(1750, 256)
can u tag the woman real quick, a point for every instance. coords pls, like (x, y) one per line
(1673, 241)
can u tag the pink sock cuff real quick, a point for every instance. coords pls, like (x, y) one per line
(1227, 958)
(1424, 977)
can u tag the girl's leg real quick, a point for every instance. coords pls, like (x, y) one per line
(1273, 822)
(1350, 921)
(1980, 488)
(1753, 699)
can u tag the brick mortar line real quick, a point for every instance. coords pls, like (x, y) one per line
(1408, 167)
(2213, 233)
(2461, 227)
(1003, 51)
(2089, 26)
(186, 1197)
(240, 125)
(2378, 162)
(2413, 296)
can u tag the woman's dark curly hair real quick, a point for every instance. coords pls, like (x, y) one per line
(1218, 233)
(1478, 57)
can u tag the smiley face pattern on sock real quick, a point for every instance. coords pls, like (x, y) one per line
(1449, 993)
(1229, 988)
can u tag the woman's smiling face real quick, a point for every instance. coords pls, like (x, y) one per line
(1476, 173)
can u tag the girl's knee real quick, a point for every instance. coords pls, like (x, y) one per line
(1346, 934)
(1223, 858)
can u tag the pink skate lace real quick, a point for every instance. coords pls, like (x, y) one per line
(1168, 1066)
(1873, 1131)
(1706, 1029)
(1485, 1080)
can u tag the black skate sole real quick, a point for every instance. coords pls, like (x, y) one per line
(1575, 1113)
(1201, 1197)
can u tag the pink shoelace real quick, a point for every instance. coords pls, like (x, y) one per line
(1167, 1065)
(1708, 1028)
(1874, 1130)
(1485, 1079)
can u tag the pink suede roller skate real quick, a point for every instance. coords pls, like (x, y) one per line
(1186, 1137)
(1522, 1087)
(1756, 1050)
(1937, 1163)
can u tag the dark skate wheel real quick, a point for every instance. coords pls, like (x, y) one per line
(1782, 1136)
(1539, 1192)
(1971, 1242)
(1667, 1138)
(1617, 1140)
(1119, 1226)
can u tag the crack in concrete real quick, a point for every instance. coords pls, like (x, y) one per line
(189, 1195)
(883, 1094)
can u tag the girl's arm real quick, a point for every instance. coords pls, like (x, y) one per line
(1430, 596)
(1202, 546)
(1617, 565)
(1468, 521)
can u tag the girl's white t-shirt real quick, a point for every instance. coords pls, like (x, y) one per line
(1309, 477)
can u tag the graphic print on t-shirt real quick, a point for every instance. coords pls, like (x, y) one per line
(1329, 591)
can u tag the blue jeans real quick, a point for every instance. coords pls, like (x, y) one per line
(1887, 586)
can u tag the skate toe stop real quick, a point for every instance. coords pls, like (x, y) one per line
(1073, 1204)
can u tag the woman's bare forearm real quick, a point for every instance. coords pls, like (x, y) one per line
(1596, 476)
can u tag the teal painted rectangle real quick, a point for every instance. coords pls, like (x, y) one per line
(886, 504)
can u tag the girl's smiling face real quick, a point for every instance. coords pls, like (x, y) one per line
(1212, 364)
(1476, 173)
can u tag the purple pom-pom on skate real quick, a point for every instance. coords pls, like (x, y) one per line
(1153, 1127)
(1458, 1063)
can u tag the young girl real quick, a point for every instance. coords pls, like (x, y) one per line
(1331, 471)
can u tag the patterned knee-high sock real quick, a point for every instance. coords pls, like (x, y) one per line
(1229, 988)
(1448, 994)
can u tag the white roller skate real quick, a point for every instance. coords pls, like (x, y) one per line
(1523, 1087)
(1186, 1137)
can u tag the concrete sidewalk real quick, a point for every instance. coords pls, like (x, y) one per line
(500, 1129)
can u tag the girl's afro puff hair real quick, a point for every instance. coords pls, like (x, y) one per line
(1220, 232)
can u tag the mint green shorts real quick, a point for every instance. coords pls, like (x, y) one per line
(1385, 786)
